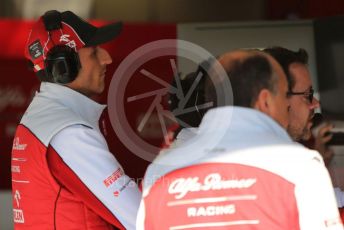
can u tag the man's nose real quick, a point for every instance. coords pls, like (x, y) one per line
(315, 103)
(104, 57)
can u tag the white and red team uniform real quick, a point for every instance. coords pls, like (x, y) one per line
(241, 171)
(63, 175)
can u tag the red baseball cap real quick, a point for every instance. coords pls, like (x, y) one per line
(64, 28)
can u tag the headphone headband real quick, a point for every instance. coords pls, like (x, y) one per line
(52, 20)
(62, 62)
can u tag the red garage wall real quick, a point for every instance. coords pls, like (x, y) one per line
(18, 84)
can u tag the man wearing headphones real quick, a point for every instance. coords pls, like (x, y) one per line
(189, 108)
(65, 176)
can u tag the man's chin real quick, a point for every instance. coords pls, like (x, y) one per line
(306, 135)
(299, 135)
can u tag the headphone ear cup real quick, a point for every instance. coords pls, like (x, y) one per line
(62, 64)
(60, 72)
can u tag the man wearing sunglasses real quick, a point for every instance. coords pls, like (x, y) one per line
(300, 90)
(302, 102)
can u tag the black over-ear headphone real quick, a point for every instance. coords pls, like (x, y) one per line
(62, 63)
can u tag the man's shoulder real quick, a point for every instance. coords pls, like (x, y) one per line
(292, 152)
(296, 150)
(45, 117)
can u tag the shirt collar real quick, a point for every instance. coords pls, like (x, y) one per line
(187, 133)
(240, 118)
(77, 102)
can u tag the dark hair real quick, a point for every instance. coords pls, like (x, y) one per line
(191, 114)
(286, 57)
(247, 77)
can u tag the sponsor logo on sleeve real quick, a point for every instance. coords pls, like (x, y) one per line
(118, 192)
(182, 186)
(17, 197)
(15, 168)
(18, 216)
(113, 177)
(17, 145)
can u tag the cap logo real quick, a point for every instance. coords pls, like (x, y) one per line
(70, 43)
(64, 38)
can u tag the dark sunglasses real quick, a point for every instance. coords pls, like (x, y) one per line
(307, 94)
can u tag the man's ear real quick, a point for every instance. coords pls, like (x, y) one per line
(264, 101)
